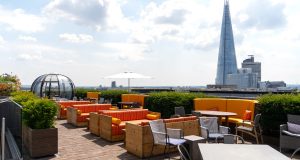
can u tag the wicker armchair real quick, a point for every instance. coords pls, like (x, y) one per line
(168, 137)
(288, 139)
(211, 130)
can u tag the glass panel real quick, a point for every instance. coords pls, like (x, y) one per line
(45, 90)
(54, 92)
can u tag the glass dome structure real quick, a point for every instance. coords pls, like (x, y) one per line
(53, 85)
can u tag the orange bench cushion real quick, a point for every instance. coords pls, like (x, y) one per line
(180, 119)
(82, 117)
(127, 115)
(92, 95)
(65, 104)
(87, 108)
(239, 106)
(117, 129)
(210, 104)
(139, 98)
(70, 103)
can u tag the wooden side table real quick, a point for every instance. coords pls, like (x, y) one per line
(192, 142)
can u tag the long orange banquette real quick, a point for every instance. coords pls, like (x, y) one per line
(238, 106)
(63, 105)
(112, 123)
(78, 114)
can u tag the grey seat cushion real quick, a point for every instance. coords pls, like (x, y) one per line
(294, 128)
(245, 128)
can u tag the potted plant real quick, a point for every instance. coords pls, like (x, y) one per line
(40, 135)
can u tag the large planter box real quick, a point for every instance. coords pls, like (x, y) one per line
(40, 142)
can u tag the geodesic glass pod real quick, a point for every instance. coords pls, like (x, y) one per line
(53, 85)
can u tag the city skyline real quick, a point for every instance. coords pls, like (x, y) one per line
(174, 42)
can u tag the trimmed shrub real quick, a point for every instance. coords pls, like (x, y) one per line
(115, 95)
(39, 113)
(274, 109)
(164, 102)
(36, 113)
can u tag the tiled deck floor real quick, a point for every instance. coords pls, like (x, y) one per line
(78, 144)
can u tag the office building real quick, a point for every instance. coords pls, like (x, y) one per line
(227, 72)
(255, 66)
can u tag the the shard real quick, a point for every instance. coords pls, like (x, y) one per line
(226, 59)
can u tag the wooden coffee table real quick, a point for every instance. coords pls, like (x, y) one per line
(218, 114)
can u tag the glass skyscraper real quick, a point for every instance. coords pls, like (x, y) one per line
(227, 72)
(226, 59)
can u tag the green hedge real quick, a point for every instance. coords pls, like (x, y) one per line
(37, 113)
(21, 97)
(164, 102)
(115, 95)
(274, 109)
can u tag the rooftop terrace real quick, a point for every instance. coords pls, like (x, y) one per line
(77, 143)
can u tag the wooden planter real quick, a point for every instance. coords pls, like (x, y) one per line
(40, 142)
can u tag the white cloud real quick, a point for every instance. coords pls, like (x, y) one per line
(100, 14)
(27, 57)
(19, 20)
(2, 40)
(76, 38)
(127, 51)
(177, 21)
(27, 38)
(263, 14)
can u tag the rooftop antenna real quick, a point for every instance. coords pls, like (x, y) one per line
(226, 2)
(251, 57)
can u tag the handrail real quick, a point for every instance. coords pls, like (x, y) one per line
(14, 150)
(3, 139)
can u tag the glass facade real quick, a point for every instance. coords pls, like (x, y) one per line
(226, 59)
(53, 85)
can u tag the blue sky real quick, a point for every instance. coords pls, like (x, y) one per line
(174, 41)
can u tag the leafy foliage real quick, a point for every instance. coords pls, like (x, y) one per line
(164, 102)
(9, 84)
(21, 97)
(115, 95)
(36, 113)
(274, 109)
(39, 113)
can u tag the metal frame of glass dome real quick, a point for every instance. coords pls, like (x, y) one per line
(53, 85)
